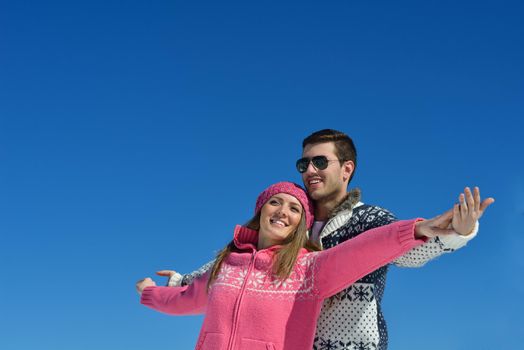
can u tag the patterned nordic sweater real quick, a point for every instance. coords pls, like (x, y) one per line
(352, 319)
(248, 307)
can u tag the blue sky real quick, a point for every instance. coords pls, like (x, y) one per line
(134, 136)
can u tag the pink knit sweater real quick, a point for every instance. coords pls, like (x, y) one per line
(249, 308)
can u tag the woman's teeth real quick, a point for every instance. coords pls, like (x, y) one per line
(278, 222)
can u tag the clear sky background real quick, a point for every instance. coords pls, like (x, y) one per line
(134, 135)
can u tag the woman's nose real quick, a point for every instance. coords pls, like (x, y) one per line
(282, 211)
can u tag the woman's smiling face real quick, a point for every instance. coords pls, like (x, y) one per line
(279, 217)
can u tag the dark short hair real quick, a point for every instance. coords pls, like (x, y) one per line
(344, 147)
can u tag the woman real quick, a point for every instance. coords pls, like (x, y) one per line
(266, 287)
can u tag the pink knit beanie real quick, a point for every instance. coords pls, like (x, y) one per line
(291, 189)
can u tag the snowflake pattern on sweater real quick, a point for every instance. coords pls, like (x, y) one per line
(353, 319)
(299, 284)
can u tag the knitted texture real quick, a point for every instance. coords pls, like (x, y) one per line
(248, 307)
(289, 188)
(353, 319)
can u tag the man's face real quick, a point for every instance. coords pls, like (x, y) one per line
(329, 183)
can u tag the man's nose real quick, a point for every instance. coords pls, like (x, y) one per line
(310, 168)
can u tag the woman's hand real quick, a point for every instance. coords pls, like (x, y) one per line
(461, 219)
(435, 227)
(142, 284)
(468, 211)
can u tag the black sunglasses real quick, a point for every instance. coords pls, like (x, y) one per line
(319, 162)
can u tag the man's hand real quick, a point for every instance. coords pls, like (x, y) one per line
(468, 211)
(461, 219)
(166, 273)
(173, 277)
(142, 284)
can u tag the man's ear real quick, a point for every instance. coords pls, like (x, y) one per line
(347, 169)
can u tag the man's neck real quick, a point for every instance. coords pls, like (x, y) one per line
(323, 208)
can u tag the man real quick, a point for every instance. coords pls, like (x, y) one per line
(352, 319)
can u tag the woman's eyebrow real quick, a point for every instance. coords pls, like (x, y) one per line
(296, 205)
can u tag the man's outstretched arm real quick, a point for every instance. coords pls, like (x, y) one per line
(176, 279)
(469, 210)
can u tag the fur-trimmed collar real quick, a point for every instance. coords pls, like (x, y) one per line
(349, 201)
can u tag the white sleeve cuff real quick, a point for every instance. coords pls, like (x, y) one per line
(175, 280)
(456, 241)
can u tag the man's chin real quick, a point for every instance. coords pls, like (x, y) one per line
(315, 194)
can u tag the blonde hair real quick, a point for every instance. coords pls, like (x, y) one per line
(284, 259)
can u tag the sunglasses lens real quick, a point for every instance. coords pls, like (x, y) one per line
(320, 162)
(302, 165)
